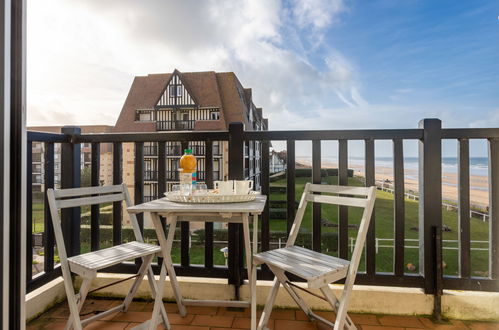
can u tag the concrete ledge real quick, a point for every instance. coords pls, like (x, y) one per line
(471, 305)
(466, 305)
(43, 298)
(365, 299)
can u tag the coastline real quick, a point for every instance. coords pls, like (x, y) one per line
(479, 195)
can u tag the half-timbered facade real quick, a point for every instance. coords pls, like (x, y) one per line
(201, 101)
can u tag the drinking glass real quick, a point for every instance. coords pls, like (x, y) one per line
(200, 189)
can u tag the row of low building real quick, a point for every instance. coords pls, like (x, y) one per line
(191, 101)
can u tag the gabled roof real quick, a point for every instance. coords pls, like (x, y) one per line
(209, 90)
(183, 81)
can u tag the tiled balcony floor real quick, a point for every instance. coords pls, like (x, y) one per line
(218, 318)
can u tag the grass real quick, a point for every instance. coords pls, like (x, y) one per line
(384, 230)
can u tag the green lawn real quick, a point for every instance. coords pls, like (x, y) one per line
(384, 230)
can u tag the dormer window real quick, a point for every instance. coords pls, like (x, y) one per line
(175, 91)
(215, 115)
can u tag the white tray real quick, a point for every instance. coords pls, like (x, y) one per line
(210, 198)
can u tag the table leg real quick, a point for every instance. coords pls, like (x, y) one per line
(166, 247)
(249, 262)
(253, 273)
(158, 301)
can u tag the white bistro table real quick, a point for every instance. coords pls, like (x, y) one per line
(175, 212)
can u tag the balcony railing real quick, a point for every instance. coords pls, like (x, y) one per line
(172, 175)
(150, 175)
(197, 150)
(179, 125)
(150, 151)
(429, 136)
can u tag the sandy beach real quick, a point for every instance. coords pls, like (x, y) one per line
(479, 195)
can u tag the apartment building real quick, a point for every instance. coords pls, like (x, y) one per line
(187, 101)
(38, 156)
(277, 161)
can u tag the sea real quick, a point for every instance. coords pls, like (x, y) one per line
(478, 165)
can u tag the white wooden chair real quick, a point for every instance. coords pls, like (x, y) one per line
(86, 265)
(319, 270)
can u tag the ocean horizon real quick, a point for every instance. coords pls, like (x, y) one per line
(478, 165)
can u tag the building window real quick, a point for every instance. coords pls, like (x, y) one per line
(215, 115)
(175, 90)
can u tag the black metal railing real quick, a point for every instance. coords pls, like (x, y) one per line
(150, 175)
(429, 136)
(172, 175)
(201, 175)
(176, 150)
(172, 125)
(151, 150)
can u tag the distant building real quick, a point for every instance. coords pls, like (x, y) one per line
(38, 155)
(189, 101)
(277, 161)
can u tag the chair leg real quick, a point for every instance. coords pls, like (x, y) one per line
(341, 314)
(146, 261)
(154, 289)
(85, 287)
(296, 297)
(264, 319)
(333, 301)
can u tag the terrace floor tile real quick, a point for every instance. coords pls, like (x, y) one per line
(218, 318)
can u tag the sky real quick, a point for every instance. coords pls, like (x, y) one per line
(312, 64)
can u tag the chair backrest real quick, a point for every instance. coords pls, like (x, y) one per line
(362, 197)
(73, 197)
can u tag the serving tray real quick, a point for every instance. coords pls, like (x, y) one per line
(210, 198)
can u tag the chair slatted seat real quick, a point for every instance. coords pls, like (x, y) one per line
(111, 256)
(309, 265)
(318, 269)
(86, 265)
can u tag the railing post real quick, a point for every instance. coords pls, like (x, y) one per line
(494, 208)
(430, 198)
(437, 302)
(236, 169)
(94, 209)
(71, 178)
(117, 179)
(29, 212)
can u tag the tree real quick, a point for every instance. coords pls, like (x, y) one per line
(85, 176)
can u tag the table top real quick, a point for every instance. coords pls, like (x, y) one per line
(163, 205)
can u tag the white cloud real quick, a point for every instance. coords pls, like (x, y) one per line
(316, 13)
(491, 119)
(82, 56)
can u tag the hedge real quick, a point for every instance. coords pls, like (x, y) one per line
(329, 240)
(307, 173)
(277, 189)
(106, 234)
(105, 219)
(281, 204)
(278, 213)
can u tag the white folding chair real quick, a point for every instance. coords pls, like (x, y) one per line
(86, 265)
(317, 269)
